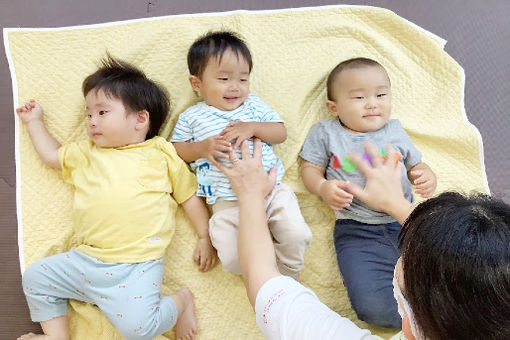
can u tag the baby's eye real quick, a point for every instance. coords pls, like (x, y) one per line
(88, 115)
(244, 79)
(223, 78)
(102, 112)
(381, 95)
(358, 97)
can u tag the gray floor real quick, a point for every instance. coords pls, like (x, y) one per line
(478, 34)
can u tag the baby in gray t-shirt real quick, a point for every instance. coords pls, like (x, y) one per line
(365, 240)
(359, 94)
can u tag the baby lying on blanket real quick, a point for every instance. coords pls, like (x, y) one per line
(220, 64)
(128, 183)
(365, 240)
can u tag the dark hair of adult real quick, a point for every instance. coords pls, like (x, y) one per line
(456, 262)
(130, 85)
(215, 44)
(348, 64)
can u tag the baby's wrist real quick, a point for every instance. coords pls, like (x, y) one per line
(320, 188)
(201, 148)
(35, 123)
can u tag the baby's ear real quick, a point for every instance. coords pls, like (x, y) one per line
(142, 119)
(332, 107)
(195, 83)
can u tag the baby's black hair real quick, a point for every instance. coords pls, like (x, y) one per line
(129, 84)
(215, 44)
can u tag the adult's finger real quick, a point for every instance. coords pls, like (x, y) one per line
(225, 169)
(392, 154)
(257, 149)
(245, 150)
(238, 141)
(372, 151)
(362, 164)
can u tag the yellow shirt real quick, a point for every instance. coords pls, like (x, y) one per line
(125, 198)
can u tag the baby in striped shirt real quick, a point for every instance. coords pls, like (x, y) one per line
(220, 64)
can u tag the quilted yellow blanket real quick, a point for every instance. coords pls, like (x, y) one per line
(293, 52)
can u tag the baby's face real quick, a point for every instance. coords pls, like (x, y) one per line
(109, 125)
(362, 98)
(224, 85)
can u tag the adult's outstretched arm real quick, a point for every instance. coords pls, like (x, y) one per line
(252, 184)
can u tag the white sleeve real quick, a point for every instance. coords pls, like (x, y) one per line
(287, 310)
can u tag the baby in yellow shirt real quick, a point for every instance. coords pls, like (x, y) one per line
(128, 183)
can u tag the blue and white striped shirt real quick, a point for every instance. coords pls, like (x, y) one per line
(202, 121)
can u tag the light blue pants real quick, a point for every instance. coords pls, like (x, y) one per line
(129, 294)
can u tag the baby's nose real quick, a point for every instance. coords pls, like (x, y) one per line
(234, 86)
(371, 103)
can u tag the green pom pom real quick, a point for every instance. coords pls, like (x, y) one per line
(347, 165)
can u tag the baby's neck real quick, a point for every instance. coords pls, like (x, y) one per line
(132, 141)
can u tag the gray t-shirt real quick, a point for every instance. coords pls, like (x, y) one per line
(328, 138)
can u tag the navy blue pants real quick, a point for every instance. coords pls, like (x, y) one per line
(367, 255)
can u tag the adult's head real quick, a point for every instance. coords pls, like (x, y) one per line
(454, 269)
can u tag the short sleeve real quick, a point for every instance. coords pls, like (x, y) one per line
(182, 130)
(264, 112)
(184, 182)
(285, 309)
(71, 157)
(316, 146)
(410, 154)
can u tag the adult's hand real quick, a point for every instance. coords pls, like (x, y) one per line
(383, 188)
(247, 175)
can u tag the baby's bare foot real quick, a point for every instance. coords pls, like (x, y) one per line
(186, 327)
(53, 329)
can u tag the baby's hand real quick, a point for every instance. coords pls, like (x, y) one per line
(215, 147)
(205, 256)
(238, 131)
(424, 182)
(334, 195)
(31, 111)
